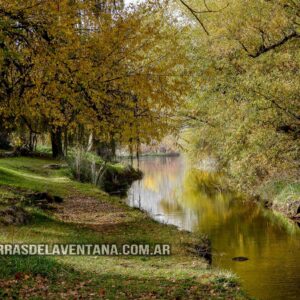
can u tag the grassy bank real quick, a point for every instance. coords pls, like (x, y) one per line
(112, 177)
(152, 154)
(282, 196)
(88, 215)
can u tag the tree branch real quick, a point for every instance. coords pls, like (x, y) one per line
(194, 13)
(264, 49)
(274, 101)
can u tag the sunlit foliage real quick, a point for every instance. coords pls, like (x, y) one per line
(74, 68)
(247, 109)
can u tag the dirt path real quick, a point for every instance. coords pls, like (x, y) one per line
(89, 211)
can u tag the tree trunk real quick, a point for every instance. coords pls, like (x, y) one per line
(56, 141)
(32, 141)
(90, 142)
(113, 149)
(4, 138)
(138, 152)
(66, 142)
(131, 151)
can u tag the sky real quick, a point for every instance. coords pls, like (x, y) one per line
(127, 2)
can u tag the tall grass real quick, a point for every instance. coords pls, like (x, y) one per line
(86, 166)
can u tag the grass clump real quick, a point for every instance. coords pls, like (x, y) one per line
(284, 197)
(113, 177)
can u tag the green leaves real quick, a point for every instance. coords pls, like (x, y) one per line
(249, 91)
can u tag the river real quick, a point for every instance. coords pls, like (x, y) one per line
(173, 193)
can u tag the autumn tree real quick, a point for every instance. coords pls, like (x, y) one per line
(22, 35)
(247, 108)
(92, 68)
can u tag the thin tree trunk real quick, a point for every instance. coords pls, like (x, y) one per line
(32, 141)
(66, 141)
(138, 153)
(113, 148)
(131, 151)
(90, 142)
(56, 141)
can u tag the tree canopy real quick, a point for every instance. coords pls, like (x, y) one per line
(247, 110)
(70, 67)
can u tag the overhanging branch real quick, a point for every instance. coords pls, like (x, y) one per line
(196, 13)
(266, 48)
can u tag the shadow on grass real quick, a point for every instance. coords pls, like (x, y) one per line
(44, 278)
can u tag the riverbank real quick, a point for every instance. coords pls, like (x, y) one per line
(279, 196)
(88, 215)
(151, 154)
(282, 196)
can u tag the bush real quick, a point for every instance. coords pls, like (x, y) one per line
(86, 167)
(111, 177)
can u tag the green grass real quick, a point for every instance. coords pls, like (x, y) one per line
(287, 191)
(33, 174)
(44, 149)
(284, 195)
(179, 276)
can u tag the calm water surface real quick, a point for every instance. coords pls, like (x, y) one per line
(176, 194)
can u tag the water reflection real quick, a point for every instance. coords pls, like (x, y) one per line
(191, 200)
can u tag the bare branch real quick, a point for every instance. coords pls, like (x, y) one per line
(275, 101)
(194, 13)
(266, 48)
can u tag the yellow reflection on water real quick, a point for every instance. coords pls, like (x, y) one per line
(197, 201)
